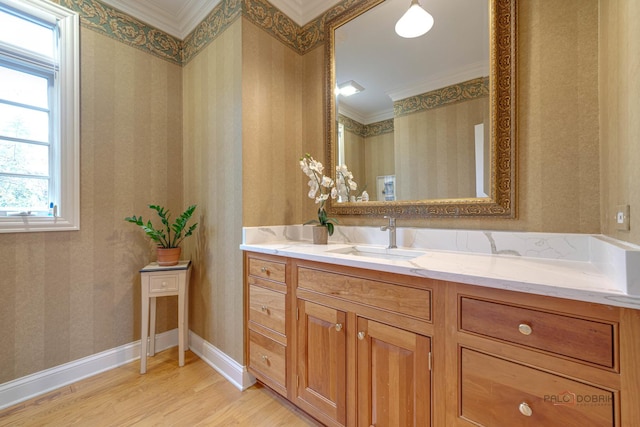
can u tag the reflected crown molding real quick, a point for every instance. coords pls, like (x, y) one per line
(365, 119)
(434, 82)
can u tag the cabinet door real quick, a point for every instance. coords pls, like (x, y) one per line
(394, 377)
(322, 361)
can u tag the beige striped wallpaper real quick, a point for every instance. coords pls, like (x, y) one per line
(380, 159)
(435, 151)
(212, 145)
(369, 157)
(313, 135)
(67, 295)
(431, 152)
(355, 155)
(619, 112)
(243, 135)
(272, 129)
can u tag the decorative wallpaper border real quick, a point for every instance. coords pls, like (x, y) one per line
(448, 95)
(271, 19)
(379, 128)
(120, 26)
(464, 91)
(351, 125)
(113, 23)
(366, 131)
(266, 16)
(220, 18)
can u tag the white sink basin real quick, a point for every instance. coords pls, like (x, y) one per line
(378, 252)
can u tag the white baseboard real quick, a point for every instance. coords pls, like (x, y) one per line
(25, 388)
(226, 366)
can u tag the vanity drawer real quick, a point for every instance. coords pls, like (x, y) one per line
(265, 269)
(496, 392)
(386, 296)
(267, 308)
(267, 358)
(577, 338)
(165, 283)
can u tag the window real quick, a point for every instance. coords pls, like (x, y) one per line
(39, 117)
(341, 144)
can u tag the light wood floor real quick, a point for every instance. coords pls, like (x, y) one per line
(194, 395)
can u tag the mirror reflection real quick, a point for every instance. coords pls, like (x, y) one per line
(419, 125)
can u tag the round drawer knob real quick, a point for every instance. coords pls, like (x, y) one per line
(525, 409)
(264, 269)
(361, 335)
(264, 308)
(265, 358)
(164, 284)
(338, 327)
(525, 329)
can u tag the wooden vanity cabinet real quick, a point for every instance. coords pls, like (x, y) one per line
(356, 347)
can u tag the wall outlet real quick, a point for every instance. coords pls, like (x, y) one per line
(622, 217)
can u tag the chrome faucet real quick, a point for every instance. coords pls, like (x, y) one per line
(392, 231)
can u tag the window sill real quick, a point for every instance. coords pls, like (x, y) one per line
(22, 224)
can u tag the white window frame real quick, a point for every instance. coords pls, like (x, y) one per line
(67, 126)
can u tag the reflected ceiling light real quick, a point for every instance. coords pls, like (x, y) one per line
(415, 22)
(349, 88)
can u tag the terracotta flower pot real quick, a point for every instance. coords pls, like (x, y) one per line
(168, 256)
(320, 235)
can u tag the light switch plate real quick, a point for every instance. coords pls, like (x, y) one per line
(622, 217)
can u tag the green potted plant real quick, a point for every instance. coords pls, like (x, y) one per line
(169, 236)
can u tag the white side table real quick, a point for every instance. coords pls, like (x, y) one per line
(161, 282)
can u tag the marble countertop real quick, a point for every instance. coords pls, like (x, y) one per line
(591, 273)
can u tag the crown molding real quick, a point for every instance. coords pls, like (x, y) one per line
(180, 24)
(379, 116)
(351, 113)
(303, 11)
(191, 12)
(365, 119)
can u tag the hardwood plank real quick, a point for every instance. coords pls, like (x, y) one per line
(194, 395)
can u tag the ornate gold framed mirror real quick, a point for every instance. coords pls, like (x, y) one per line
(483, 174)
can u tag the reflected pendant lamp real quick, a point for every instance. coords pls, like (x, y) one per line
(415, 22)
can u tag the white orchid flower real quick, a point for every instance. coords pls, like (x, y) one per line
(318, 182)
(322, 198)
(313, 188)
